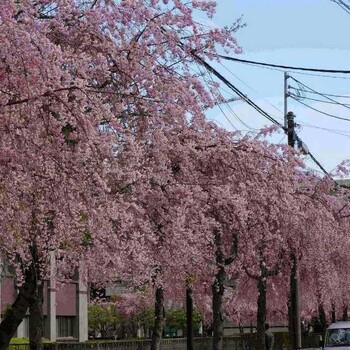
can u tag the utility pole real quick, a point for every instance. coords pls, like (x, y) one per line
(290, 129)
(285, 98)
(294, 302)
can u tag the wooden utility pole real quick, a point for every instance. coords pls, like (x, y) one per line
(294, 302)
(285, 98)
(290, 129)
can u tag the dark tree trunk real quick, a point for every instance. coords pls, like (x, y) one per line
(261, 316)
(218, 319)
(334, 316)
(290, 318)
(189, 317)
(16, 313)
(322, 318)
(345, 313)
(218, 287)
(158, 320)
(36, 319)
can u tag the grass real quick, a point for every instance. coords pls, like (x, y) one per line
(17, 342)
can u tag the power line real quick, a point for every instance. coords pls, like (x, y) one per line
(236, 90)
(250, 102)
(249, 87)
(217, 103)
(323, 93)
(240, 120)
(317, 110)
(318, 100)
(318, 93)
(334, 131)
(211, 69)
(236, 116)
(232, 111)
(335, 71)
(244, 97)
(316, 75)
(326, 129)
(342, 5)
(319, 164)
(284, 136)
(300, 73)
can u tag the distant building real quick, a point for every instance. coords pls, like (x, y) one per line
(64, 308)
(344, 182)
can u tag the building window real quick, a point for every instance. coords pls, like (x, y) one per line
(65, 326)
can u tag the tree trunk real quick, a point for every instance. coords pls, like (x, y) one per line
(36, 319)
(261, 315)
(158, 320)
(290, 317)
(16, 313)
(334, 316)
(218, 319)
(322, 318)
(345, 313)
(189, 317)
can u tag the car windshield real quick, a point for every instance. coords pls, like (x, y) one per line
(338, 337)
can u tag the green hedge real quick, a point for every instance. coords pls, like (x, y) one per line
(19, 341)
(24, 341)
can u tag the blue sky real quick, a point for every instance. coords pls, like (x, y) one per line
(309, 33)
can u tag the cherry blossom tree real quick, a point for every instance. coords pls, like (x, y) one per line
(325, 248)
(241, 187)
(263, 241)
(267, 186)
(210, 194)
(69, 70)
(310, 229)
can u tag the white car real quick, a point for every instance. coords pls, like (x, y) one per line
(338, 336)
